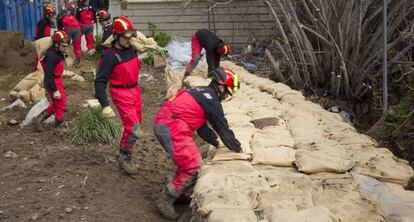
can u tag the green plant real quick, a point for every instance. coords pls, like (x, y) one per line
(149, 55)
(93, 127)
(400, 114)
(161, 38)
(97, 55)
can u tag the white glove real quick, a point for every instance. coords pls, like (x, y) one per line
(221, 144)
(108, 112)
(57, 95)
(91, 52)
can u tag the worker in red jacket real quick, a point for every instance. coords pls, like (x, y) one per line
(43, 27)
(71, 26)
(214, 46)
(53, 66)
(103, 18)
(86, 17)
(188, 111)
(120, 67)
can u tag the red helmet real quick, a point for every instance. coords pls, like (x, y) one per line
(103, 15)
(70, 6)
(227, 78)
(49, 11)
(61, 38)
(223, 49)
(122, 25)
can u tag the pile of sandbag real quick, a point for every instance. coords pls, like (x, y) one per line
(30, 88)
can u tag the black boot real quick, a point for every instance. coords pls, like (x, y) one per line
(165, 204)
(126, 162)
(38, 122)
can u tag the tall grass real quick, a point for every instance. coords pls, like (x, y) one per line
(93, 127)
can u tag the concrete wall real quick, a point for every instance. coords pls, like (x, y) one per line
(237, 22)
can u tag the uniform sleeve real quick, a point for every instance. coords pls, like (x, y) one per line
(216, 118)
(208, 135)
(102, 77)
(50, 62)
(105, 36)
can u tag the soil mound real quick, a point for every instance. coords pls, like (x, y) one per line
(16, 54)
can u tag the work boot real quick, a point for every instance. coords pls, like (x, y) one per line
(126, 162)
(77, 63)
(165, 204)
(38, 122)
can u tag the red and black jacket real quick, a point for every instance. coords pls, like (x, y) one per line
(68, 21)
(85, 15)
(43, 28)
(119, 67)
(198, 105)
(210, 42)
(53, 65)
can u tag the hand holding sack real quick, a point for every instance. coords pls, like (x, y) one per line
(221, 145)
(108, 112)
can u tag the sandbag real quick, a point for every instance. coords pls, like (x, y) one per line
(29, 81)
(324, 160)
(343, 199)
(42, 45)
(37, 93)
(193, 81)
(244, 135)
(383, 166)
(272, 137)
(173, 82)
(139, 43)
(226, 215)
(224, 154)
(314, 214)
(24, 95)
(276, 156)
(305, 127)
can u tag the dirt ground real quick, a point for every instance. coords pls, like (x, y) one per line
(49, 179)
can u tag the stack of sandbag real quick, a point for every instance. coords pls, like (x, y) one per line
(140, 43)
(30, 88)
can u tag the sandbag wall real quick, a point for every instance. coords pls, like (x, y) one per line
(297, 163)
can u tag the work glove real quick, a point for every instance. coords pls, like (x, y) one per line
(91, 52)
(57, 95)
(108, 112)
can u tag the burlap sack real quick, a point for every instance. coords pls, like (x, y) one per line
(314, 214)
(324, 160)
(382, 165)
(37, 93)
(276, 156)
(24, 95)
(343, 199)
(29, 81)
(78, 78)
(224, 154)
(42, 45)
(226, 215)
(173, 82)
(140, 43)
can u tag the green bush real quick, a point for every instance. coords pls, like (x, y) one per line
(93, 127)
(97, 55)
(161, 38)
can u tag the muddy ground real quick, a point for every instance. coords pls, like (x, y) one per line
(49, 179)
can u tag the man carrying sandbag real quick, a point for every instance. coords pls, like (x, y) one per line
(44, 27)
(120, 67)
(53, 66)
(214, 46)
(188, 111)
(71, 26)
(86, 17)
(103, 18)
